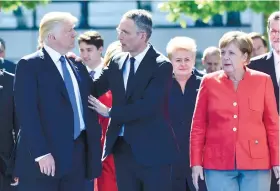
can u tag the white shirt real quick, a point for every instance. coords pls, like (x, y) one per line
(277, 66)
(138, 60)
(55, 56)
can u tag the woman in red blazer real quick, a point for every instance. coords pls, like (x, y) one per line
(235, 128)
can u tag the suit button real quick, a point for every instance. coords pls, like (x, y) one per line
(256, 142)
(235, 116)
(234, 129)
(234, 104)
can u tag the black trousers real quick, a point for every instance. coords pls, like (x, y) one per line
(5, 184)
(132, 176)
(74, 181)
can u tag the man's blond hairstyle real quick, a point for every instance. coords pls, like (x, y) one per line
(180, 43)
(212, 50)
(50, 21)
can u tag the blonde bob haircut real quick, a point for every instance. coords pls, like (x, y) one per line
(180, 43)
(50, 21)
(242, 40)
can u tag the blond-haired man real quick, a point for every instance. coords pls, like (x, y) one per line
(60, 139)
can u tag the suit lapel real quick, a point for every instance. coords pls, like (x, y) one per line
(55, 75)
(142, 71)
(121, 66)
(271, 68)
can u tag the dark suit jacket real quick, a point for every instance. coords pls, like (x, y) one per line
(265, 63)
(46, 116)
(8, 125)
(143, 108)
(8, 66)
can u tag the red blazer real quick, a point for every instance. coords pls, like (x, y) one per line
(235, 127)
(107, 180)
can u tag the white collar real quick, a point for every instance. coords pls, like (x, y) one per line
(141, 55)
(276, 58)
(55, 56)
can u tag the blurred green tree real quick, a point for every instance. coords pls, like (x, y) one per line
(11, 5)
(205, 9)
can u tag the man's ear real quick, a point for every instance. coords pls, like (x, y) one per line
(100, 49)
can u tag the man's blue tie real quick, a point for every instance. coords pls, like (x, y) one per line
(129, 83)
(70, 89)
(131, 73)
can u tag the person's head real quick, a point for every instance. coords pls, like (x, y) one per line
(236, 49)
(259, 44)
(91, 46)
(273, 30)
(211, 59)
(57, 31)
(113, 49)
(182, 53)
(134, 31)
(2, 48)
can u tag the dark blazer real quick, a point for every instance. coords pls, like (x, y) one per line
(46, 116)
(8, 125)
(7, 65)
(265, 63)
(143, 108)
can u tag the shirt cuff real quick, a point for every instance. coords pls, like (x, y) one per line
(39, 158)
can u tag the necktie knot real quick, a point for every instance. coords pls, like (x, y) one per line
(132, 60)
(91, 73)
(62, 60)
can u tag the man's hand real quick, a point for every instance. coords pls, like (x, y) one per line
(47, 165)
(197, 171)
(99, 107)
(276, 170)
(74, 56)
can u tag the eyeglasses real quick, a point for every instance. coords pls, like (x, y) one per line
(122, 32)
(274, 32)
(126, 33)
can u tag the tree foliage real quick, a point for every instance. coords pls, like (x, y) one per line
(205, 9)
(9, 5)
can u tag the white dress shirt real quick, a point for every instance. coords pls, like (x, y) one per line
(277, 66)
(138, 60)
(55, 56)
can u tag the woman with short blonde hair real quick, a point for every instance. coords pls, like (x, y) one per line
(182, 53)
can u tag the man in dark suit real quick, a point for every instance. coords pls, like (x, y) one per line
(270, 63)
(139, 135)
(8, 128)
(5, 64)
(60, 136)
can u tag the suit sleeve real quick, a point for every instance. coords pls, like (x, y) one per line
(151, 102)
(198, 128)
(27, 108)
(271, 122)
(100, 85)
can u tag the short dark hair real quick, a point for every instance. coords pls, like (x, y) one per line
(2, 43)
(255, 35)
(92, 38)
(274, 16)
